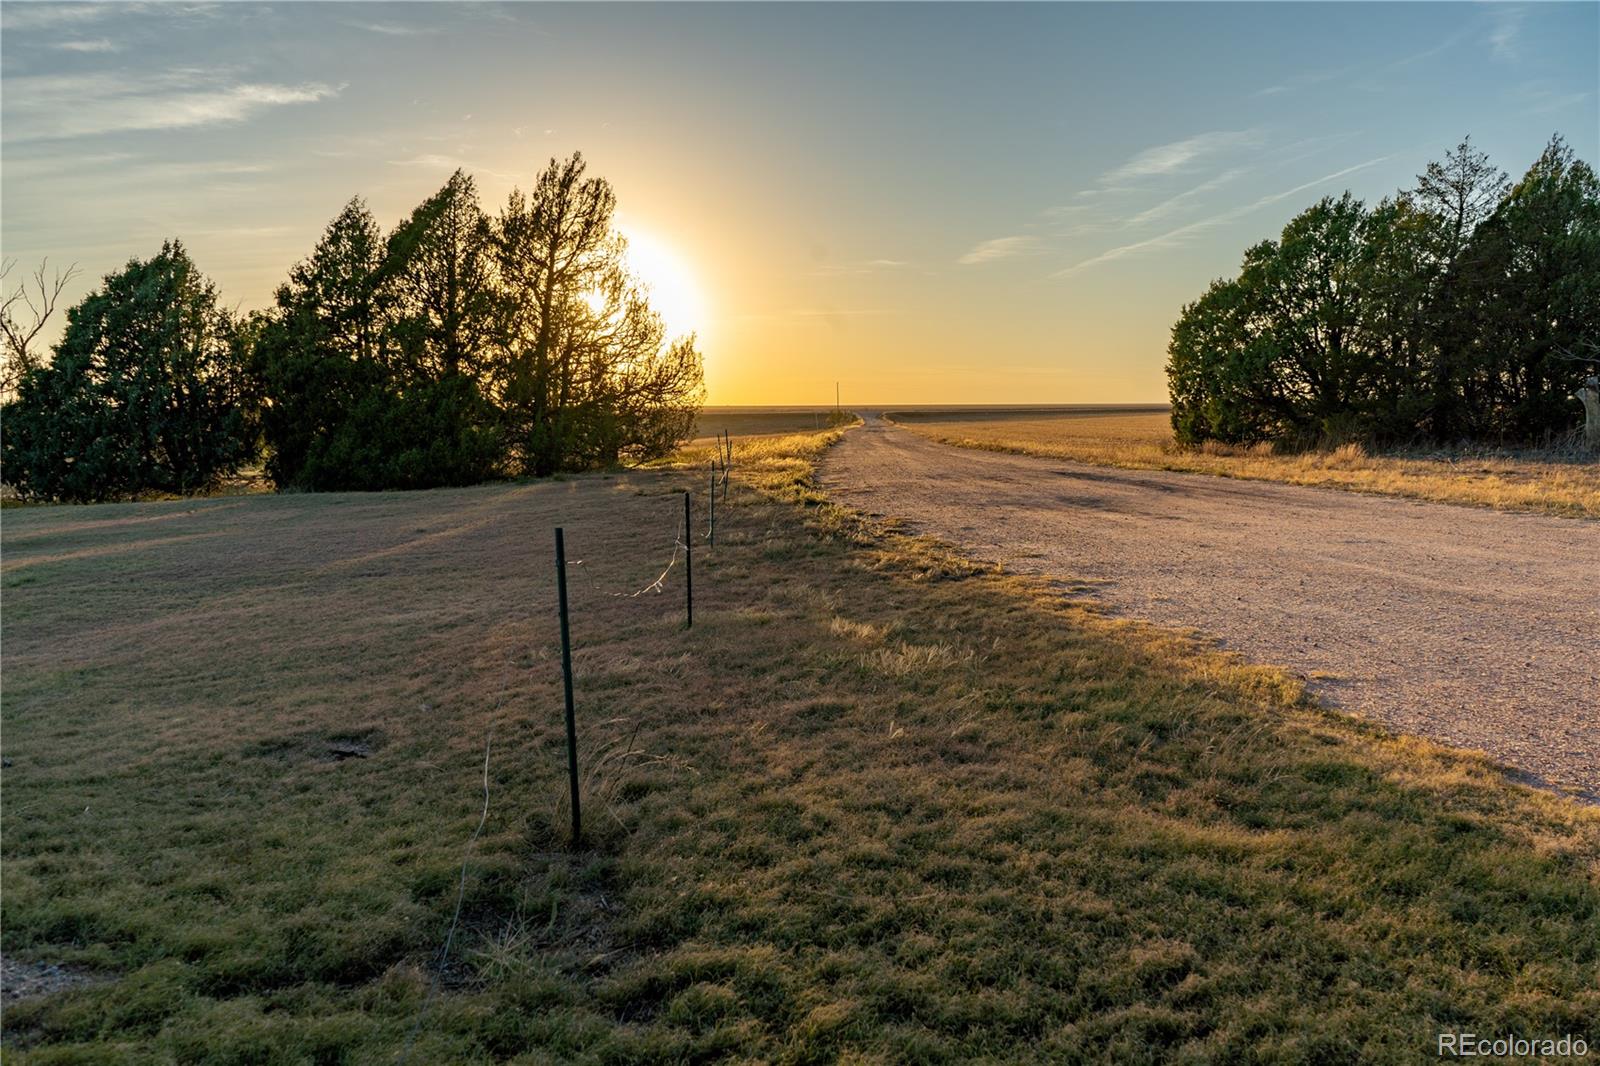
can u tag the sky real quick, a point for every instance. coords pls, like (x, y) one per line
(953, 203)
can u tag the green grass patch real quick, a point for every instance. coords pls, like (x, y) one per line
(879, 805)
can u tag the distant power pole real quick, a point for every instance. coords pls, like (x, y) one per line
(836, 396)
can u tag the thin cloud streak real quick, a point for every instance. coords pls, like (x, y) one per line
(1506, 34)
(1168, 206)
(46, 107)
(815, 314)
(26, 16)
(858, 268)
(1541, 99)
(1178, 236)
(435, 161)
(16, 16)
(394, 29)
(998, 248)
(99, 44)
(1302, 81)
(1168, 158)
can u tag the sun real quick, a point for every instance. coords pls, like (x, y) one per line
(673, 290)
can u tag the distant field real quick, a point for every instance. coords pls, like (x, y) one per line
(759, 421)
(1557, 481)
(1131, 425)
(879, 805)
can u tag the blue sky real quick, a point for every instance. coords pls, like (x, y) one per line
(952, 203)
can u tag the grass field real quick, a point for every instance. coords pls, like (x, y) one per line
(1556, 481)
(877, 806)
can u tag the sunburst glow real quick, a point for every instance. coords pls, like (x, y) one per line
(675, 293)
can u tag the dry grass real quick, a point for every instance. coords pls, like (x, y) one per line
(879, 805)
(1556, 481)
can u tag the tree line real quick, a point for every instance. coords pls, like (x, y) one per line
(1463, 309)
(457, 347)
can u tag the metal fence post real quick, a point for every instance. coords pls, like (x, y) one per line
(566, 674)
(688, 566)
(711, 506)
(727, 464)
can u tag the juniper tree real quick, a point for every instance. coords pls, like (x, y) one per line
(147, 391)
(585, 371)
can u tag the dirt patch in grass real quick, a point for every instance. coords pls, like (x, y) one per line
(1564, 480)
(318, 746)
(880, 804)
(26, 980)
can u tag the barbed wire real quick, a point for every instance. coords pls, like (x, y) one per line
(461, 885)
(657, 586)
(682, 532)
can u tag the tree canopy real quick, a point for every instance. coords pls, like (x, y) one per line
(1441, 313)
(456, 347)
(463, 345)
(147, 391)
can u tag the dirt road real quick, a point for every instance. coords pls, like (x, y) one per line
(1477, 628)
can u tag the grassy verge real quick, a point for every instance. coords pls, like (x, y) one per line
(877, 806)
(1552, 481)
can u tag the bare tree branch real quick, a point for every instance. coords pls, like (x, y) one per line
(39, 293)
(1567, 354)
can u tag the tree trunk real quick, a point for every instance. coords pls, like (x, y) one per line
(1590, 395)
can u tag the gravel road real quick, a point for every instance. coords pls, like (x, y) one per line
(1477, 628)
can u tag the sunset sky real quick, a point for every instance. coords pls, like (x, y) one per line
(930, 204)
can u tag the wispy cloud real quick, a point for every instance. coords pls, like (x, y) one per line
(55, 107)
(1178, 155)
(1301, 81)
(1183, 199)
(28, 16)
(1166, 240)
(1182, 234)
(1119, 212)
(439, 161)
(857, 268)
(394, 29)
(16, 16)
(97, 44)
(431, 160)
(65, 163)
(830, 312)
(1374, 77)
(131, 169)
(1505, 33)
(1312, 184)
(999, 248)
(829, 316)
(1541, 98)
(249, 232)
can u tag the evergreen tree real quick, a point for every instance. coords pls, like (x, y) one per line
(324, 348)
(147, 392)
(441, 277)
(1443, 312)
(585, 373)
(1531, 289)
(367, 363)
